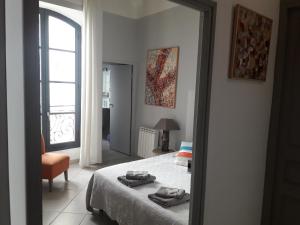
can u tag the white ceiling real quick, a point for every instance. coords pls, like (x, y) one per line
(148, 7)
(136, 8)
(128, 8)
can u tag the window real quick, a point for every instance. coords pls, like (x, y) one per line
(60, 69)
(106, 88)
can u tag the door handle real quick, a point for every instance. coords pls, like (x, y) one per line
(111, 105)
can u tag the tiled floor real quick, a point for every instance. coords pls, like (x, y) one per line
(65, 205)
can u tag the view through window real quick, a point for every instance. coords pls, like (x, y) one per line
(60, 46)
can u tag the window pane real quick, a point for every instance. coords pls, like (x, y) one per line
(61, 66)
(62, 94)
(40, 55)
(106, 89)
(40, 30)
(62, 128)
(41, 119)
(41, 97)
(61, 34)
(105, 103)
(106, 81)
(62, 109)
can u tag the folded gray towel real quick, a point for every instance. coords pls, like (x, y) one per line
(165, 192)
(137, 175)
(135, 183)
(169, 202)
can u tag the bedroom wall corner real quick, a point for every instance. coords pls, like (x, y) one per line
(169, 29)
(120, 39)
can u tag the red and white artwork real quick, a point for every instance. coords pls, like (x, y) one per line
(161, 77)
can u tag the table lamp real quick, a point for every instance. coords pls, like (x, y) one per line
(166, 125)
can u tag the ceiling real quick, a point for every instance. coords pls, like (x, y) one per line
(128, 8)
(136, 8)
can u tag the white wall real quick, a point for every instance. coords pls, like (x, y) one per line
(15, 107)
(169, 29)
(238, 131)
(119, 38)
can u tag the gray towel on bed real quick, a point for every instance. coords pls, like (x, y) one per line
(165, 192)
(135, 183)
(169, 202)
(137, 175)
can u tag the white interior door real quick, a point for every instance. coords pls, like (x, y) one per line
(120, 107)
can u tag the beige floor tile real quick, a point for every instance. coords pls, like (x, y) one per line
(97, 220)
(57, 201)
(49, 216)
(78, 204)
(69, 219)
(66, 203)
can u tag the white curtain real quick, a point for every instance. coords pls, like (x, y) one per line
(91, 99)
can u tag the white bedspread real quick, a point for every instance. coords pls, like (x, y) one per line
(131, 206)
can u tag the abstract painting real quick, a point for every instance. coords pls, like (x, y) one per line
(250, 45)
(161, 77)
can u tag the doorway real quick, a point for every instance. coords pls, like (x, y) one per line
(282, 181)
(117, 107)
(202, 103)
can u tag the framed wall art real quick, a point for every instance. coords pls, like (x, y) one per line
(250, 45)
(161, 77)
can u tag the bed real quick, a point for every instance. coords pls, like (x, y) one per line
(131, 206)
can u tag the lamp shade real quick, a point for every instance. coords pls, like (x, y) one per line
(166, 124)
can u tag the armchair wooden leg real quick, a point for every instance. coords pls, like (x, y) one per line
(66, 175)
(50, 185)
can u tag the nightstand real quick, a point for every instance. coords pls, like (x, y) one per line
(158, 151)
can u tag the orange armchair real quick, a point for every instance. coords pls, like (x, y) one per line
(53, 164)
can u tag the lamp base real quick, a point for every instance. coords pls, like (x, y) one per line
(165, 141)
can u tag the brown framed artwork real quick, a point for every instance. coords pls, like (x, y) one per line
(250, 45)
(161, 77)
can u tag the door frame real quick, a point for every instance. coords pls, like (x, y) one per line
(4, 167)
(202, 109)
(32, 112)
(270, 173)
(202, 106)
(131, 107)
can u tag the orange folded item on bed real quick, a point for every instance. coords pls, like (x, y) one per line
(184, 154)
